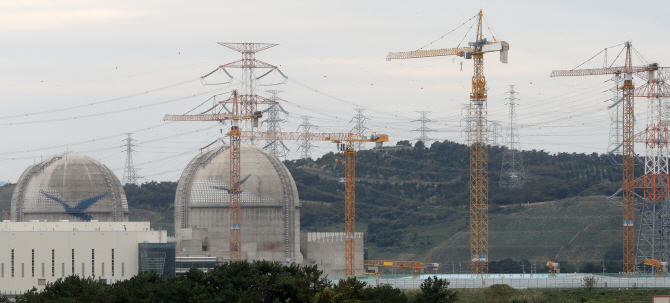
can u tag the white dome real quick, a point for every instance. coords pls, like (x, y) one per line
(270, 226)
(69, 187)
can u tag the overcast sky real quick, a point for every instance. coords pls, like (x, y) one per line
(145, 57)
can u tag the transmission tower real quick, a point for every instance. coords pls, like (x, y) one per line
(495, 130)
(653, 239)
(360, 128)
(275, 146)
(614, 143)
(512, 173)
(306, 145)
(129, 173)
(423, 129)
(248, 97)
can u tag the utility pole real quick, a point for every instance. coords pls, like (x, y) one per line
(423, 129)
(276, 146)
(523, 269)
(306, 145)
(512, 173)
(129, 172)
(359, 128)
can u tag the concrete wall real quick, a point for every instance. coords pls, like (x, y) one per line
(46, 254)
(327, 251)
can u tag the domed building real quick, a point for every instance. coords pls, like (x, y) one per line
(270, 227)
(69, 187)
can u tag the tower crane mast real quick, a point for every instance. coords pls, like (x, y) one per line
(479, 200)
(345, 142)
(628, 185)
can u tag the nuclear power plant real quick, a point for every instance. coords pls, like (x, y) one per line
(270, 228)
(70, 187)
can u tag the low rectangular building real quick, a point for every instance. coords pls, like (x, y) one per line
(35, 253)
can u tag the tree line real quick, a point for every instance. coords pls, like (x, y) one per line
(239, 282)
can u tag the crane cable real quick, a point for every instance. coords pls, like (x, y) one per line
(448, 33)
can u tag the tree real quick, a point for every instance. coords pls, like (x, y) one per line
(434, 290)
(404, 143)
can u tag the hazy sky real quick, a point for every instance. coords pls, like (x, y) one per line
(144, 59)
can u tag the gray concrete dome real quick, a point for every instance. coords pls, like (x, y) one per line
(70, 187)
(270, 226)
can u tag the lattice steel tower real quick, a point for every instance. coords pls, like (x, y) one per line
(306, 145)
(129, 173)
(360, 128)
(248, 97)
(614, 143)
(423, 129)
(653, 239)
(276, 146)
(512, 173)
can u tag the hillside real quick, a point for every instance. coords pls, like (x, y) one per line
(412, 203)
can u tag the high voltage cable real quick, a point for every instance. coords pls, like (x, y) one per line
(114, 111)
(99, 102)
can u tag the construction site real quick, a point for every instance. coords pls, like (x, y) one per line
(454, 194)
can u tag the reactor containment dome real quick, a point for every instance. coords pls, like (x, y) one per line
(270, 228)
(69, 187)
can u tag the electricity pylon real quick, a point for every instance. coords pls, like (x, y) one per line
(512, 173)
(359, 128)
(129, 172)
(248, 97)
(614, 143)
(306, 145)
(653, 238)
(423, 129)
(275, 146)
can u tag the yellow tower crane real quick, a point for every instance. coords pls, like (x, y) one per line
(479, 186)
(235, 191)
(628, 185)
(345, 143)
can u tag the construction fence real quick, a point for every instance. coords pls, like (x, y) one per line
(525, 283)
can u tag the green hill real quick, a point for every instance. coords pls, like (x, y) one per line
(412, 203)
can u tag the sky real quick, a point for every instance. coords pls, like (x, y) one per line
(77, 76)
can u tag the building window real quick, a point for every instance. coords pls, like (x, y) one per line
(102, 265)
(42, 270)
(23, 270)
(112, 262)
(41, 281)
(12, 263)
(83, 273)
(32, 263)
(73, 261)
(93, 262)
(123, 269)
(53, 264)
(62, 269)
(3, 270)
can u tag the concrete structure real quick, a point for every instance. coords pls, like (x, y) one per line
(69, 187)
(270, 208)
(327, 251)
(35, 253)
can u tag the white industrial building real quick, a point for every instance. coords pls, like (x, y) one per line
(36, 253)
